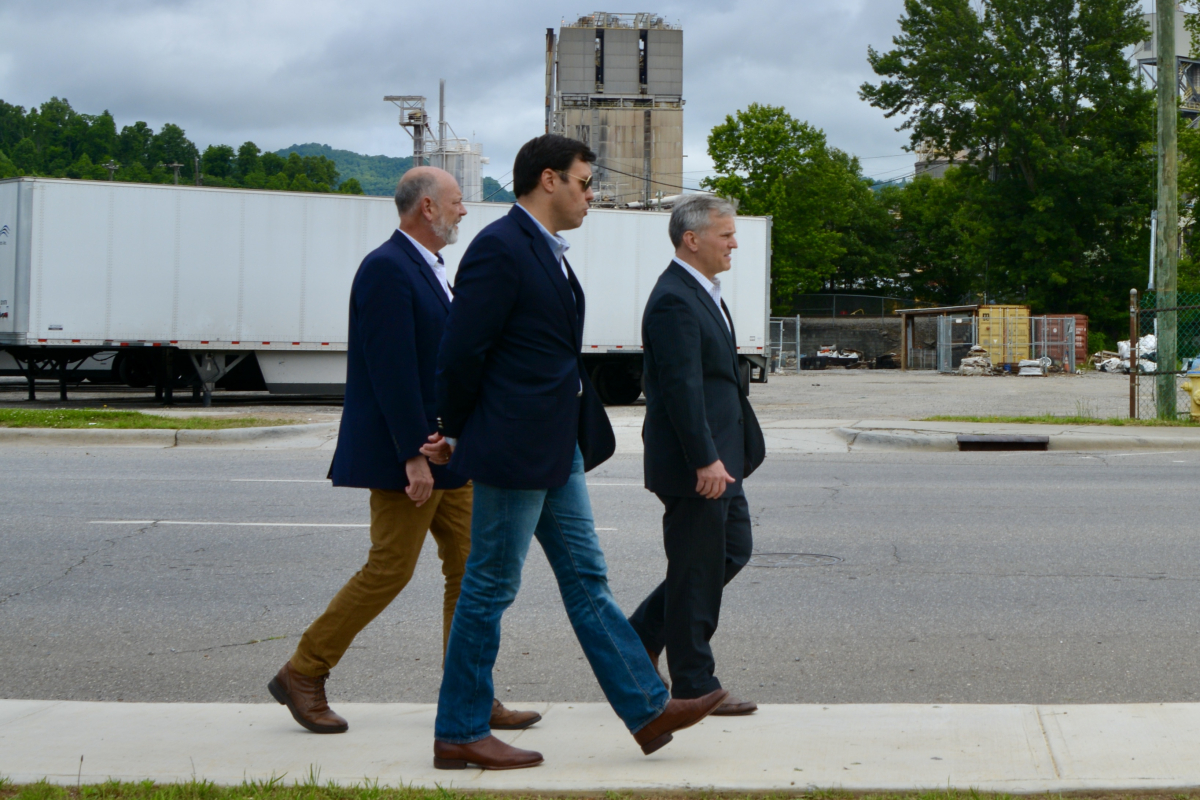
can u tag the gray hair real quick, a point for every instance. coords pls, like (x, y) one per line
(694, 213)
(412, 188)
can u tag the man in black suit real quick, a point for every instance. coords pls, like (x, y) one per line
(525, 424)
(701, 439)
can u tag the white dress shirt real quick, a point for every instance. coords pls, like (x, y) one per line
(435, 263)
(713, 287)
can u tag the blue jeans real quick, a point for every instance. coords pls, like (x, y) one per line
(503, 522)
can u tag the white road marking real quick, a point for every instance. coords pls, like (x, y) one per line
(234, 524)
(638, 485)
(277, 480)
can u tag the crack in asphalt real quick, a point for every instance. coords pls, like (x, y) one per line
(109, 544)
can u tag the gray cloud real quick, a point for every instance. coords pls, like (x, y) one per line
(281, 73)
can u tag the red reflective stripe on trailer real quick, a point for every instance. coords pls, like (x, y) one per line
(235, 342)
(595, 346)
(266, 342)
(326, 344)
(204, 341)
(156, 344)
(41, 340)
(295, 343)
(174, 341)
(74, 341)
(620, 346)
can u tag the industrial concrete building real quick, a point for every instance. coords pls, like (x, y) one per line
(462, 158)
(615, 81)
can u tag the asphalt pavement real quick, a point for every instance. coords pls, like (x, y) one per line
(187, 575)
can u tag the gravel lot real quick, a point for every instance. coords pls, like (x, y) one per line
(829, 394)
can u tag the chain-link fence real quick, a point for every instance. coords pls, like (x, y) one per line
(785, 344)
(1163, 343)
(852, 305)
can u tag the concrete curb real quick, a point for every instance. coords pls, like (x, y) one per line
(1069, 441)
(317, 433)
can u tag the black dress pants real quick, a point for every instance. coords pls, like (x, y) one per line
(707, 543)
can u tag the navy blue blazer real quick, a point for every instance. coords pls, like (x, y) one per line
(697, 410)
(397, 314)
(510, 380)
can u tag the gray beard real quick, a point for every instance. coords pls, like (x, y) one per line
(447, 233)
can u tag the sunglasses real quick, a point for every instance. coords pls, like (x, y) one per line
(587, 182)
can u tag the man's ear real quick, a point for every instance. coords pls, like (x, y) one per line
(547, 179)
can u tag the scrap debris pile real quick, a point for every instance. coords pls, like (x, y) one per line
(831, 356)
(1147, 355)
(977, 362)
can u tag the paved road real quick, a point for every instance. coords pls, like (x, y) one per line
(964, 578)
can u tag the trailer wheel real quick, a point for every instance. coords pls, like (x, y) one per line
(134, 370)
(616, 385)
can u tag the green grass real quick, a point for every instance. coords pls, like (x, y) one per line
(310, 788)
(95, 418)
(1052, 419)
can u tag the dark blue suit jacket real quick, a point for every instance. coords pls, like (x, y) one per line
(510, 380)
(697, 410)
(397, 314)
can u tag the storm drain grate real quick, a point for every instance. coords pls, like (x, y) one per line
(784, 560)
(1001, 441)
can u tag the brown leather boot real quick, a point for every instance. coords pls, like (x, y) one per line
(305, 698)
(505, 720)
(489, 753)
(678, 714)
(733, 707)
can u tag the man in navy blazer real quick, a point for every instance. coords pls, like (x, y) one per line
(525, 424)
(388, 438)
(701, 439)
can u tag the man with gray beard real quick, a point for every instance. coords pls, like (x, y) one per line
(388, 443)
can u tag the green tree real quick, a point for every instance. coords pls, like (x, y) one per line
(248, 161)
(1041, 104)
(134, 144)
(26, 157)
(7, 168)
(171, 145)
(350, 186)
(13, 125)
(772, 163)
(217, 161)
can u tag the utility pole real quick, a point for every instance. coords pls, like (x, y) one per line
(175, 165)
(1167, 229)
(198, 178)
(112, 167)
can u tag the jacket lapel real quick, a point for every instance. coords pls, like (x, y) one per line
(541, 250)
(422, 267)
(706, 300)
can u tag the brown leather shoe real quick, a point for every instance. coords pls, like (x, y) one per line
(733, 707)
(305, 698)
(489, 753)
(678, 714)
(505, 720)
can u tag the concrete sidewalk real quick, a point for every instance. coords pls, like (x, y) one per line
(784, 748)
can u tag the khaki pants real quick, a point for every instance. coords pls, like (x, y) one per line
(398, 529)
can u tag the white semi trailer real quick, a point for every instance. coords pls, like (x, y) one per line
(178, 286)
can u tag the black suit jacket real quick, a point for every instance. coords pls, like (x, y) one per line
(697, 410)
(510, 380)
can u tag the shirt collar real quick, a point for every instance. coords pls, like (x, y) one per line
(558, 245)
(705, 283)
(429, 256)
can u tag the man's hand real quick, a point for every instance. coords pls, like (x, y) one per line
(420, 479)
(712, 480)
(438, 450)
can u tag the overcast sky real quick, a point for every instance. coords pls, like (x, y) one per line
(283, 73)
